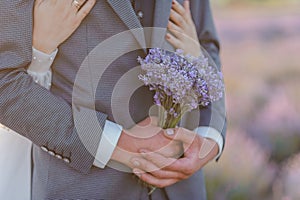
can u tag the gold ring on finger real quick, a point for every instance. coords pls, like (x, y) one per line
(76, 4)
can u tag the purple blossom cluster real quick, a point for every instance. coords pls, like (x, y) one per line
(181, 83)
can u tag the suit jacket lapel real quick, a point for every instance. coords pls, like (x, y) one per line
(162, 13)
(161, 18)
(124, 10)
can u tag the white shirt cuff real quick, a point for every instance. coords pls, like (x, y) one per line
(110, 137)
(41, 62)
(213, 134)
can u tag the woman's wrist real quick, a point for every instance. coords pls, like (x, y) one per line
(47, 47)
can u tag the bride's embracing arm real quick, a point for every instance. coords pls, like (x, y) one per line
(47, 35)
(26, 107)
(53, 23)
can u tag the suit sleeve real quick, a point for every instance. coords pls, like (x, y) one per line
(214, 115)
(28, 108)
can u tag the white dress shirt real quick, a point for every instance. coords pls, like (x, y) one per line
(40, 70)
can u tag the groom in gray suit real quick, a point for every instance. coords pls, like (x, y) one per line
(64, 165)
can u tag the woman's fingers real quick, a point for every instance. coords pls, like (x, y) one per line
(175, 30)
(85, 9)
(178, 7)
(76, 4)
(182, 28)
(188, 15)
(187, 7)
(177, 19)
(152, 180)
(183, 10)
(173, 41)
(37, 2)
(181, 134)
(144, 164)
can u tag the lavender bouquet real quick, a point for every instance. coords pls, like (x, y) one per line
(181, 83)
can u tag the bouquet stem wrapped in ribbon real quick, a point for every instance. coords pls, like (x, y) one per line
(181, 83)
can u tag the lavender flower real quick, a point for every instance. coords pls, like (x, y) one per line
(181, 83)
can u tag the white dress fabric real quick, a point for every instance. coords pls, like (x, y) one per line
(15, 150)
(15, 165)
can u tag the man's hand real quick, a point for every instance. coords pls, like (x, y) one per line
(161, 171)
(145, 135)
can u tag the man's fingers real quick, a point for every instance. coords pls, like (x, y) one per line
(154, 120)
(181, 134)
(207, 147)
(162, 162)
(144, 164)
(85, 9)
(174, 149)
(167, 174)
(156, 171)
(152, 180)
(158, 159)
(183, 165)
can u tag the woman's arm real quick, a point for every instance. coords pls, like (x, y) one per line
(40, 70)
(25, 106)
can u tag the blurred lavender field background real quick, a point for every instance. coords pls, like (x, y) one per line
(261, 62)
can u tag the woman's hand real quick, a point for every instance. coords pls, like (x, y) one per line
(56, 20)
(181, 25)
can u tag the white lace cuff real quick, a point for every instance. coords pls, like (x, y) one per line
(41, 62)
(43, 79)
(39, 69)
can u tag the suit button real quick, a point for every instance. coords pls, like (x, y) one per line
(58, 156)
(140, 14)
(51, 153)
(44, 149)
(66, 160)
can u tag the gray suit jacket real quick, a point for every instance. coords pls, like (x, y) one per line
(47, 119)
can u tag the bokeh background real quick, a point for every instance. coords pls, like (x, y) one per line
(261, 62)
